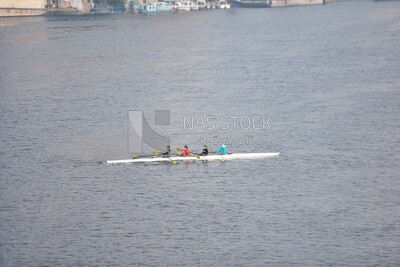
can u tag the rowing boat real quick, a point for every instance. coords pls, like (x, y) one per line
(192, 158)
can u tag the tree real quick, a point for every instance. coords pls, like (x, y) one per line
(110, 2)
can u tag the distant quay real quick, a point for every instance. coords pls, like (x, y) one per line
(19, 8)
(21, 12)
(13, 8)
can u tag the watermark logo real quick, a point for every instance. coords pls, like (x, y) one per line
(227, 123)
(140, 132)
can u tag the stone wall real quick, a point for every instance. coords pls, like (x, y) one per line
(20, 12)
(25, 4)
(13, 8)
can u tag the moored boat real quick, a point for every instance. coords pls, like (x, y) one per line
(211, 5)
(222, 4)
(157, 7)
(184, 5)
(202, 4)
(194, 5)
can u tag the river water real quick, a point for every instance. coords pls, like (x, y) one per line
(325, 80)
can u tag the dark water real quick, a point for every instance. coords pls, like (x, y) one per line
(327, 76)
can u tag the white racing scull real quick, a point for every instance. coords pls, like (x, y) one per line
(194, 158)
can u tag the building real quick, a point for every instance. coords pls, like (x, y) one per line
(82, 6)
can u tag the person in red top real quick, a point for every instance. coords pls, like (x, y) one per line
(186, 152)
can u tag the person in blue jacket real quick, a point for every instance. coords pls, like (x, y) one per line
(222, 150)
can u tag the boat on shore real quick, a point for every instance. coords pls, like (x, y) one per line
(216, 157)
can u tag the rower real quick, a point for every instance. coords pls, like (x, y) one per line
(186, 152)
(205, 151)
(222, 150)
(168, 152)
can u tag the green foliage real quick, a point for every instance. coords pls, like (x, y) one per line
(110, 2)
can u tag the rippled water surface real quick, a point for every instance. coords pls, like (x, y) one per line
(326, 76)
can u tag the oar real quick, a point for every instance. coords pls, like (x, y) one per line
(149, 156)
(173, 161)
(198, 157)
(143, 156)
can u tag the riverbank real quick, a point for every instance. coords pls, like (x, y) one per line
(19, 10)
